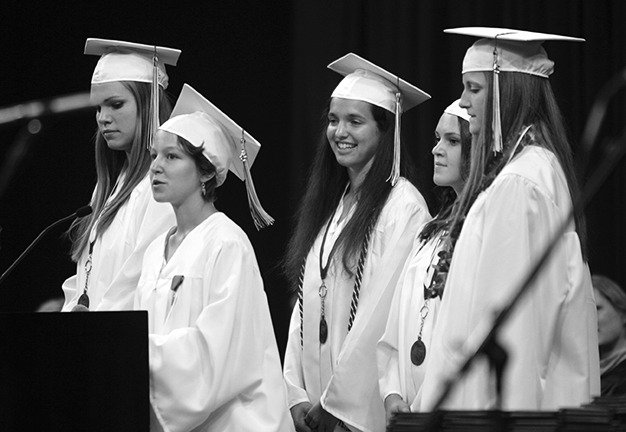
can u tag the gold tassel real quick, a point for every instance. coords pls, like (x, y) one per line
(259, 215)
(154, 121)
(395, 169)
(496, 125)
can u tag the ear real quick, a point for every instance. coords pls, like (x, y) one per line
(206, 177)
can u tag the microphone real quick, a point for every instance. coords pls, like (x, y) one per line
(81, 212)
(38, 108)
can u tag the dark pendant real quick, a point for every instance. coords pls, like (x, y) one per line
(418, 352)
(323, 330)
(83, 300)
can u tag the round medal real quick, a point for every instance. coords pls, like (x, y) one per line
(418, 352)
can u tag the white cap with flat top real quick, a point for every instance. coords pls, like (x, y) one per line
(370, 83)
(129, 61)
(507, 50)
(517, 50)
(365, 81)
(224, 143)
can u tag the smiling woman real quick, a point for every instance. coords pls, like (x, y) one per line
(355, 226)
(353, 136)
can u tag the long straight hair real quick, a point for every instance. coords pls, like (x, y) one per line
(526, 100)
(326, 183)
(110, 164)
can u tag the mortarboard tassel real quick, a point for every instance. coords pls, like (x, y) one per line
(154, 100)
(496, 125)
(395, 169)
(259, 215)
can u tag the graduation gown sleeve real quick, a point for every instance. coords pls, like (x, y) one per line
(220, 371)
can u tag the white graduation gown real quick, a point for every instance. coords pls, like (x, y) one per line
(396, 373)
(551, 336)
(214, 364)
(118, 252)
(342, 373)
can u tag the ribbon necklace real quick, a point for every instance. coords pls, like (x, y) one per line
(322, 290)
(418, 349)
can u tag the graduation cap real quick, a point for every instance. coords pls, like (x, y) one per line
(370, 83)
(224, 143)
(129, 61)
(507, 50)
(455, 109)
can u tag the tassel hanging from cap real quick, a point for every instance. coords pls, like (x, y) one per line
(395, 169)
(259, 215)
(154, 121)
(496, 124)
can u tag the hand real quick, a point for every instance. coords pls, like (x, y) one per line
(395, 404)
(298, 413)
(320, 419)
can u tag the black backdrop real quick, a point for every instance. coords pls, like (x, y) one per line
(264, 63)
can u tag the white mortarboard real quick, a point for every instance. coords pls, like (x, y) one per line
(370, 83)
(507, 50)
(455, 109)
(224, 143)
(128, 61)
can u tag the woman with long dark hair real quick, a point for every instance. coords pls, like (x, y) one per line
(355, 227)
(518, 193)
(108, 245)
(403, 349)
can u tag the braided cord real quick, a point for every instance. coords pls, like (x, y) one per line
(358, 278)
(300, 302)
(356, 291)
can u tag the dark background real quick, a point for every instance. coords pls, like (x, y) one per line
(264, 63)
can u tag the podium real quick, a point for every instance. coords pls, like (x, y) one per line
(74, 371)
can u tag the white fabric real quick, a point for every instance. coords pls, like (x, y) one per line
(128, 66)
(367, 86)
(214, 365)
(551, 336)
(342, 373)
(202, 131)
(117, 253)
(522, 57)
(455, 109)
(397, 374)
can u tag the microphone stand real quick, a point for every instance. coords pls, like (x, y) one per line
(32, 245)
(614, 150)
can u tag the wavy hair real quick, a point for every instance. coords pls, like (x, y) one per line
(110, 164)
